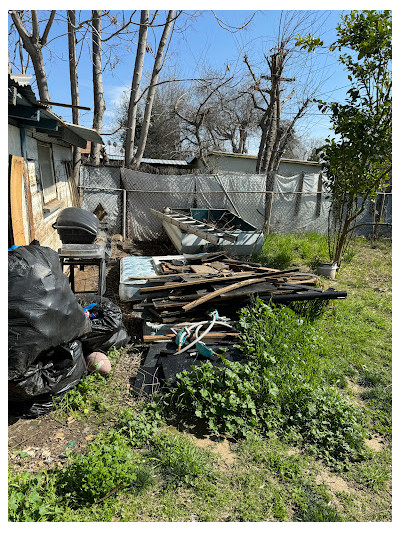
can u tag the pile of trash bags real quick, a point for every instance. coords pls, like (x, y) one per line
(49, 332)
(108, 330)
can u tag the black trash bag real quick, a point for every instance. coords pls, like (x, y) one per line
(108, 330)
(42, 309)
(54, 373)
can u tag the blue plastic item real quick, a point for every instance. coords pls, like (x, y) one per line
(90, 306)
(204, 350)
(181, 337)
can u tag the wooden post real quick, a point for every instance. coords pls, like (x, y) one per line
(268, 201)
(299, 195)
(319, 196)
(269, 211)
(16, 168)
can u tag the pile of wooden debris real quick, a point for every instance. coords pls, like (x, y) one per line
(188, 289)
(190, 309)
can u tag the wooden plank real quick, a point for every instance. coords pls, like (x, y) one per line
(182, 285)
(203, 269)
(250, 266)
(219, 279)
(211, 335)
(29, 204)
(16, 172)
(223, 290)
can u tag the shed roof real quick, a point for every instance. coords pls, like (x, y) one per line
(20, 93)
(247, 156)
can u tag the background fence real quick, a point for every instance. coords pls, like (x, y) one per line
(278, 204)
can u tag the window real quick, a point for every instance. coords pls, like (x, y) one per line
(47, 172)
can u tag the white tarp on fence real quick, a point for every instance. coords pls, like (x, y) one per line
(298, 206)
(152, 191)
(241, 194)
(297, 203)
(244, 195)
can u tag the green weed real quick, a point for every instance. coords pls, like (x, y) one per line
(285, 250)
(282, 388)
(85, 397)
(139, 426)
(33, 498)
(181, 462)
(108, 463)
(313, 506)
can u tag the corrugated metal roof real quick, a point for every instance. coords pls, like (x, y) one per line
(173, 162)
(247, 156)
(85, 133)
(116, 153)
(21, 79)
(25, 90)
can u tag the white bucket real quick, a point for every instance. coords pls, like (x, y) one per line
(328, 270)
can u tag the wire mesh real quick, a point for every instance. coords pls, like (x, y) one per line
(297, 204)
(101, 185)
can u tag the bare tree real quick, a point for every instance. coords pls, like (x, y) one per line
(270, 92)
(152, 88)
(234, 118)
(33, 43)
(99, 105)
(197, 108)
(73, 76)
(135, 90)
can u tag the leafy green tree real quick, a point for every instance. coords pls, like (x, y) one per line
(357, 159)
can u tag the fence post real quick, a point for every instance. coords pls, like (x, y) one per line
(299, 195)
(269, 211)
(269, 198)
(123, 214)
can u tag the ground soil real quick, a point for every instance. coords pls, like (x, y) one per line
(41, 443)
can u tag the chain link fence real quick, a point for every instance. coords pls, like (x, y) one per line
(274, 203)
(102, 185)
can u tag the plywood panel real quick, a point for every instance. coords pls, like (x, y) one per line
(16, 189)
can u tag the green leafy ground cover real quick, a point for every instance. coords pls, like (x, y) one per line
(300, 433)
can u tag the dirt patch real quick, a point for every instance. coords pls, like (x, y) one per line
(356, 391)
(41, 443)
(375, 443)
(334, 483)
(221, 447)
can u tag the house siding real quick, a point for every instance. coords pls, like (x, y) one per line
(247, 165)
(42, 221)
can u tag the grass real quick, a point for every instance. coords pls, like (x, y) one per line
(148, 470)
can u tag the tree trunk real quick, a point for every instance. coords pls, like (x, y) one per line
(99, 105)
(73, 76)
(137, 76)
(152, 90)
(33, 44)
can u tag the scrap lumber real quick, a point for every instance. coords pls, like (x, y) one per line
(228, 283)
(222, 290)
(197, 281)
(206, 280)
(218, 335)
